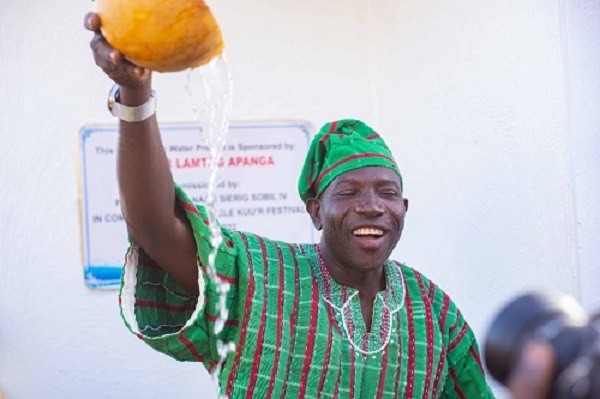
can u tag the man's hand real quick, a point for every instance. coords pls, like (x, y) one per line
(532, 378)
(112, 62)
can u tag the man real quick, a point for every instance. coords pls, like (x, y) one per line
(333, 320)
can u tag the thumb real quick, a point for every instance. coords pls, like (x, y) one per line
(532, 378)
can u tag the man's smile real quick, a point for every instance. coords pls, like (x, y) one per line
(368, 237)
(368, 231)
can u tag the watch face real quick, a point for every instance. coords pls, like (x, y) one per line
(113, 96)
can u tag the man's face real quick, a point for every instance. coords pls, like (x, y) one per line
(362, 215)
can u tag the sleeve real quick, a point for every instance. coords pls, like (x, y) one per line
(161, 313)
(466, 376)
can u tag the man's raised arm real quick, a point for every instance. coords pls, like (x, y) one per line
(146, 186)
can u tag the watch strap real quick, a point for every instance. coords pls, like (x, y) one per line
(131, 114)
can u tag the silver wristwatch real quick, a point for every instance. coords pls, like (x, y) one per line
(130, 114)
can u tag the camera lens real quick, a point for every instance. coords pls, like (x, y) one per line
(556, 318)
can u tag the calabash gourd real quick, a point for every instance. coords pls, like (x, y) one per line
(162, 35)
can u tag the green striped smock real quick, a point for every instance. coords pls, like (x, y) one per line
(291, 323)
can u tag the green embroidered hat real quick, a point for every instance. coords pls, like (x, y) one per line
(339, 147)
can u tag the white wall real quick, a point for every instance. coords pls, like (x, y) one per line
(581, 23)
(477, 110)
(484, 104)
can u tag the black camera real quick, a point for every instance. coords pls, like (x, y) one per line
(559, 320)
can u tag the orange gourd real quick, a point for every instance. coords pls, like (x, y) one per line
(162, 35)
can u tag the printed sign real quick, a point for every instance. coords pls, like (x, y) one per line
(256, 189)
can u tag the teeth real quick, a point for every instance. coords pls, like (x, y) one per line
(367, 231)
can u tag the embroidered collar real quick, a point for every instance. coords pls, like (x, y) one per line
(345, 304)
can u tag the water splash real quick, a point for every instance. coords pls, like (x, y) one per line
(210, 88)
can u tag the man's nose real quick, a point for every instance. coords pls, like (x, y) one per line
(369, 204)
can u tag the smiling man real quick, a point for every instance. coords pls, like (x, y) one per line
(336, 319)
(353, 192)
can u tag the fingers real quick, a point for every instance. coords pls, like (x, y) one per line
(92, 22)
(110, 60)
(105, 55)
(142, 74)
(532, 378)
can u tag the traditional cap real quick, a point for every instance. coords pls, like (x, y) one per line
(337, 148)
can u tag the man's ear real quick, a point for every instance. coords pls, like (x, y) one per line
(313, 207)
(405, 204)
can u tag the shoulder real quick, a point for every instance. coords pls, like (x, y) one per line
(457, 336)
(419, 284)
(422, 289)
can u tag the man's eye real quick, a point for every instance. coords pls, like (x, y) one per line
(345, 193)
(389, 193)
